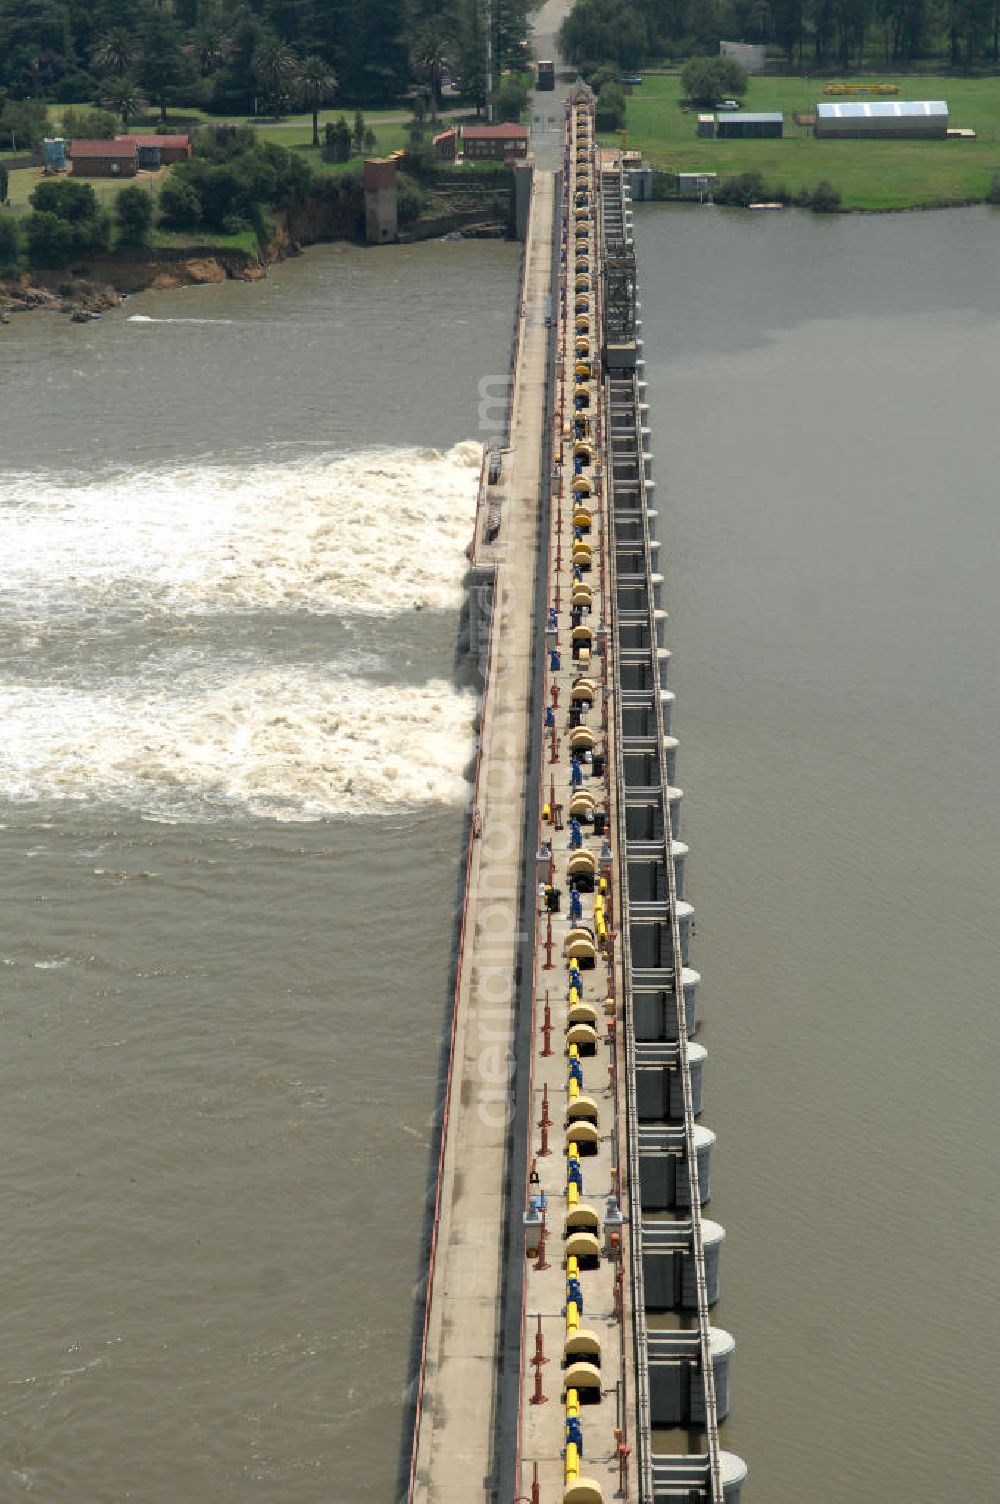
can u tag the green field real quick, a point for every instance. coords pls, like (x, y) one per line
(869, 174)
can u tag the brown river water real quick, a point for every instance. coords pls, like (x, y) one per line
(232, 757)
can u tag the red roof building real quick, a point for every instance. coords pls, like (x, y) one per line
(495, 142)
(171, 148)
(104, 159)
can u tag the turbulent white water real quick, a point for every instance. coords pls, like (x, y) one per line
(371, 532)
(298, 745)
(97, 581)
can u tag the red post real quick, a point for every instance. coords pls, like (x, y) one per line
(547, 1028)
(555, 696)
(539, 1357)
(557, 595)
(545, 1121)
(544, 1149)
(541, 1262)
(548, 943)
(552, 870)
(538, 1398)
(554, 756)
(536, 1487)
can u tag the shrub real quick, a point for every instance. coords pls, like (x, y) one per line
(50, 239)
(89, 124)
(9, 243)
(610, 112)
(180, 206)
(410, 199)
(337, 142)
(134, 216)
(824, 199)
(741, 189)
(607, 73)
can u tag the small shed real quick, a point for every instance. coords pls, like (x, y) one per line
(706, 126)
(497, 143)
(700, 185)
(750, 55)
(160, 151)
(744, 125)
(445, 144)
(54, 148)
(104, 159)
(882, 119)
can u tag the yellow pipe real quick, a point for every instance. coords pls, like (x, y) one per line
(572, 1404)
(572, 1462)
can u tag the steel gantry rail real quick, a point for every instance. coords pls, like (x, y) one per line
(619, 257)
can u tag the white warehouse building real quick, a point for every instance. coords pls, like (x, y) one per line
(888, 119)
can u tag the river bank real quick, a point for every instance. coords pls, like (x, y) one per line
(86, 290)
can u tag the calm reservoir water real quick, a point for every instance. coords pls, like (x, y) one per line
(231, 771)
(824, 399)
(232, 758)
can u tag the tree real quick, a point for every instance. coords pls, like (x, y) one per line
(338, 142)
(125, 97)
(213, 49)
(133, 216)
(180, 206)
(276, 68)
(706, 79)
(70, 199)
(4, 182)
(510, 99)
(612, 29)
(115, 51)
(163, 68)
(315, 85)
(24, 123)
(9, 242)
(432, 58)
(358, 133)
(50, 240)
(88, 125)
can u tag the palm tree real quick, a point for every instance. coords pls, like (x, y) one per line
(126, 99)
(276, 66)
(115, 51)
(212, 47)
(316, 85)
(432, 55)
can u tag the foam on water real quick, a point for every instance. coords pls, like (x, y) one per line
(370, 532)
(146, 318)
(295, 745)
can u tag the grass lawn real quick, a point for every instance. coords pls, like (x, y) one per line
(869, 174)
(24, 180)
